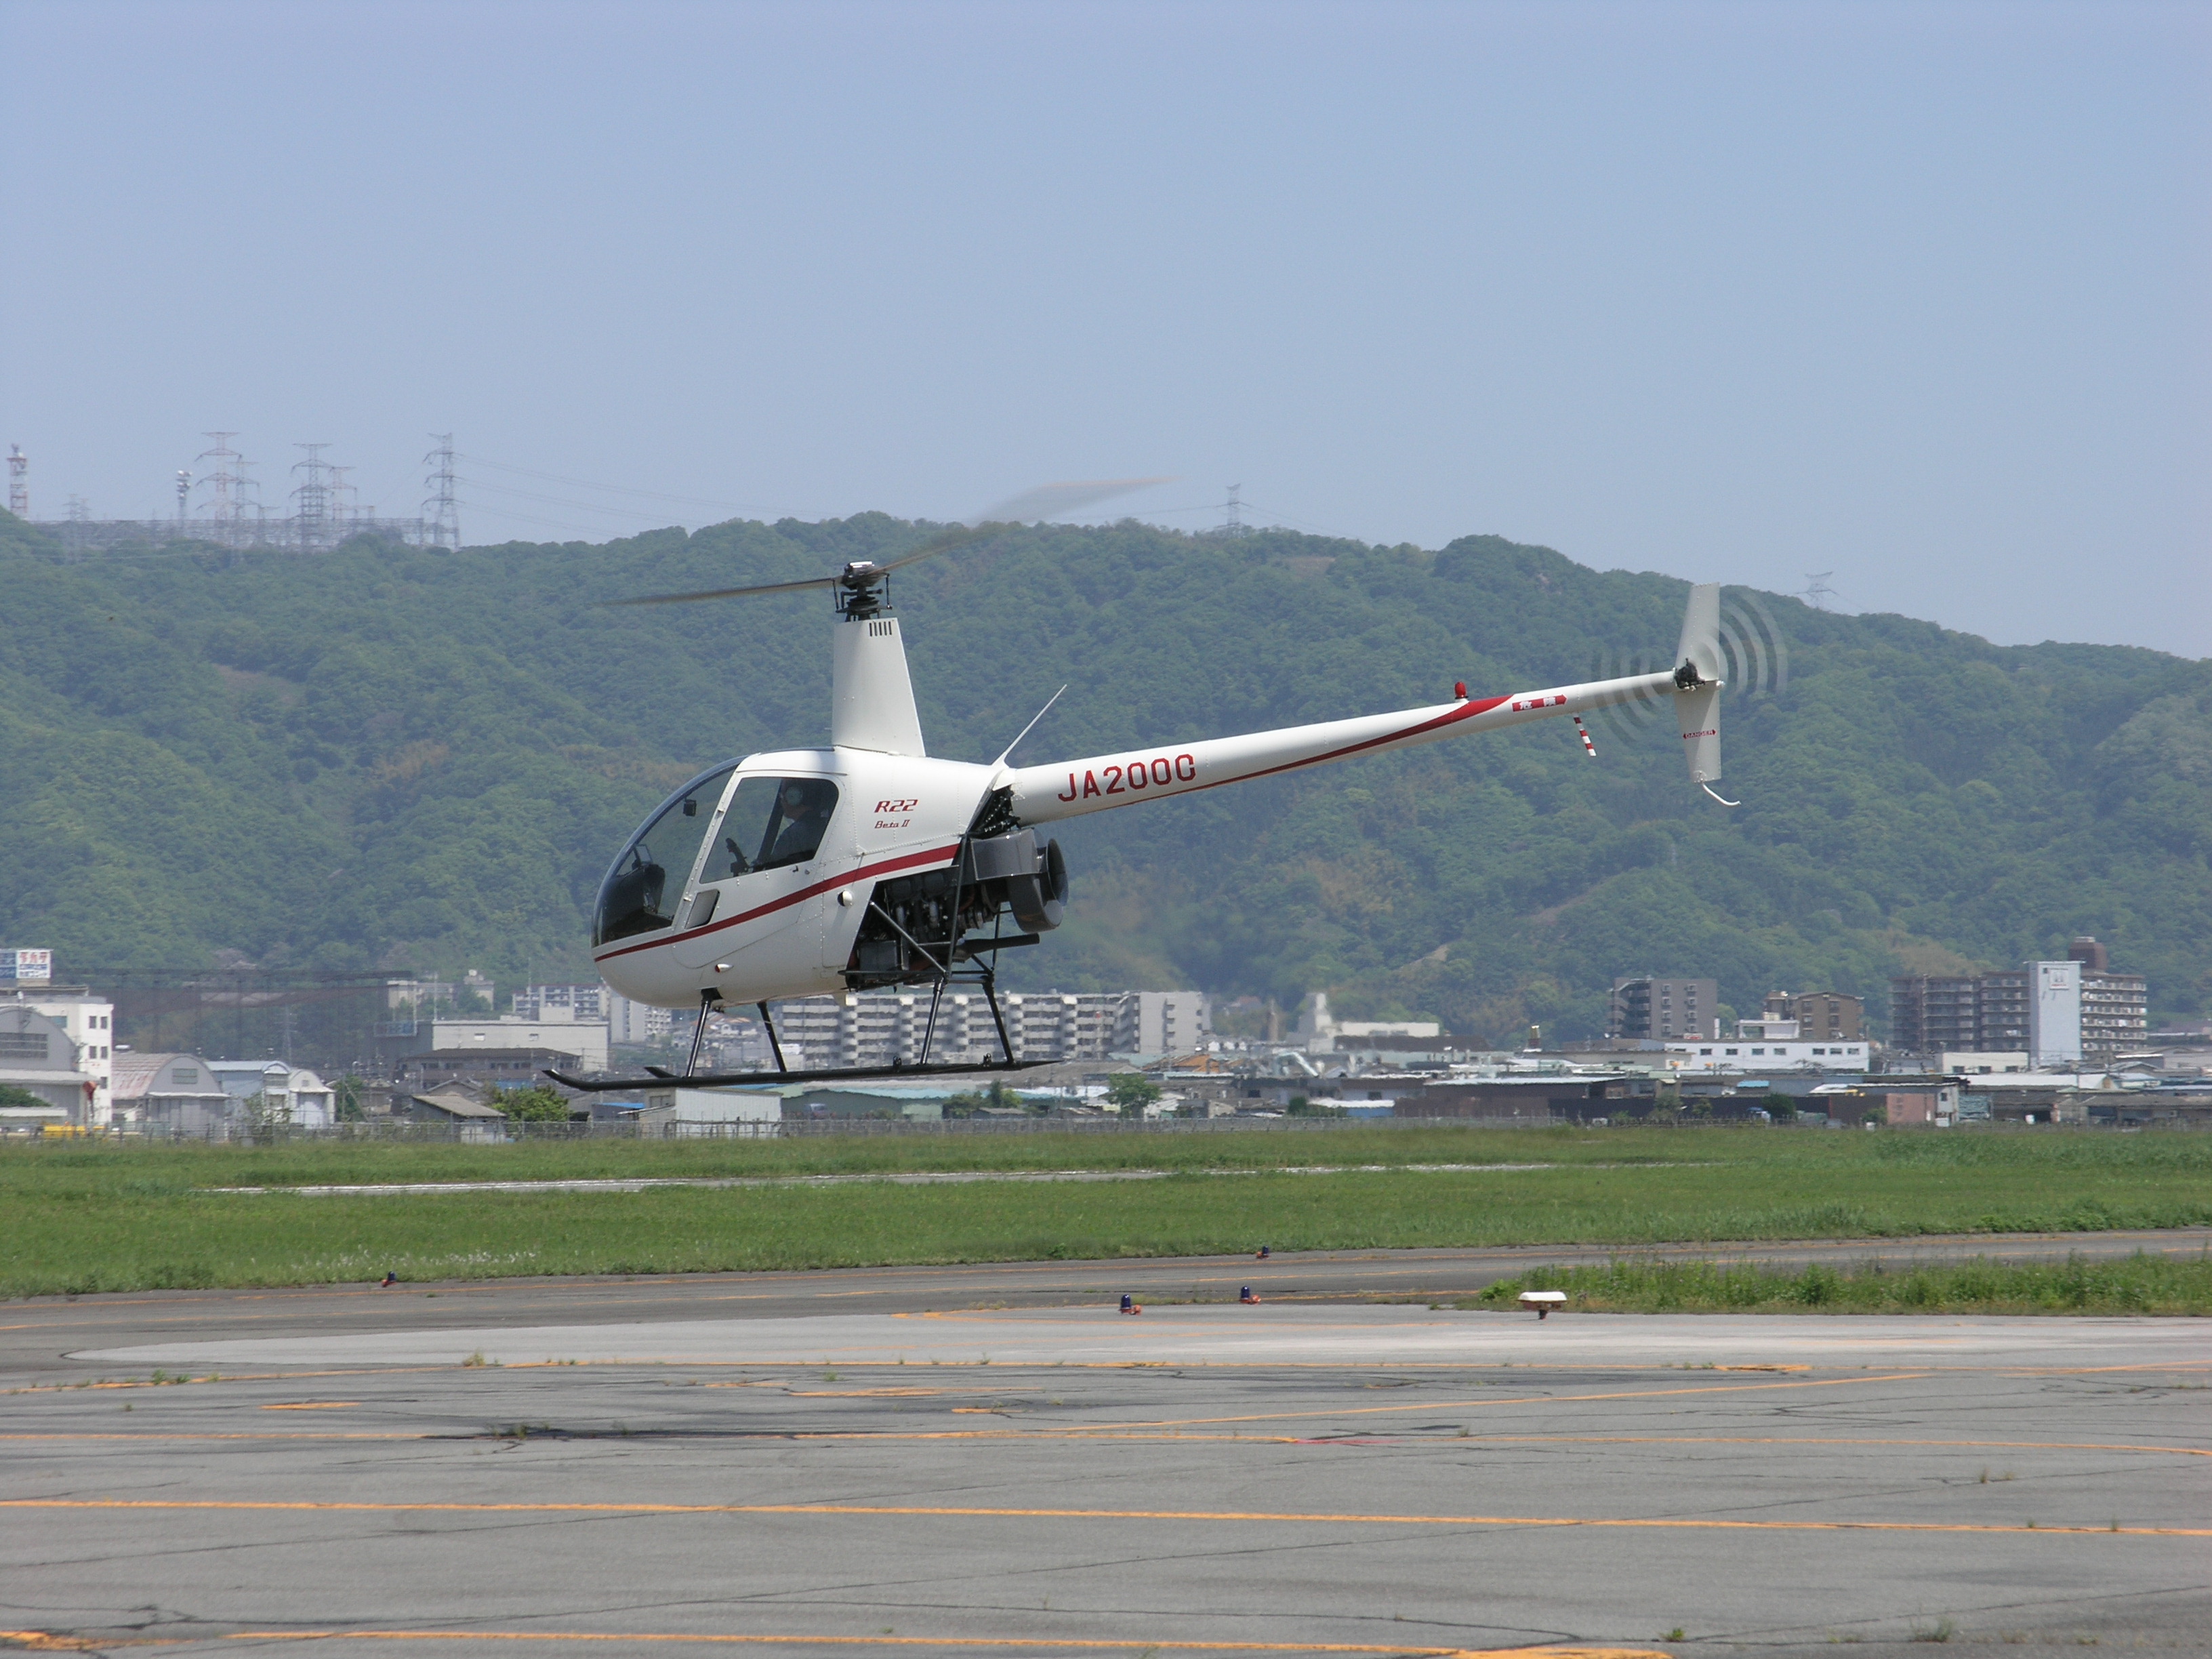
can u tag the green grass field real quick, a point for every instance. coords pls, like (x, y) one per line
(90, 1216)
(2135, 1285)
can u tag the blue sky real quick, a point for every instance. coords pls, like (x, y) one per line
(1913, 293)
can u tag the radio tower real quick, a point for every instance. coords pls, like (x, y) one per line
(19, 488)
(441, 512)
(313, 495)
(184, 500)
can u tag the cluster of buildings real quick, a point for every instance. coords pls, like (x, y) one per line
(2040, 1016)
(1800, 1030)
(580, 1027)
(2071, 1025)
(59, 1059)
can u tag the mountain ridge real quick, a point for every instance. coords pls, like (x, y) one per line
(388, 758)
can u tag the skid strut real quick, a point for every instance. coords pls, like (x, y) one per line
(707, 1002)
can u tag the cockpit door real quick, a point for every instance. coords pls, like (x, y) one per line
(765, 849)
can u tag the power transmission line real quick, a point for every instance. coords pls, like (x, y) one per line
(614, 489)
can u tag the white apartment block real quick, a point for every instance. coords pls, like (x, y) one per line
(636, 1022)
(885, 1028)
(562, 1004)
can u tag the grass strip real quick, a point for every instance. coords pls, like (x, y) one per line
(85, 1217)
(2139, 1283)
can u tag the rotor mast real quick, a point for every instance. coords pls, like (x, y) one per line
(871, 694)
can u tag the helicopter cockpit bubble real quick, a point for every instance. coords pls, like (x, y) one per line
(641, 892)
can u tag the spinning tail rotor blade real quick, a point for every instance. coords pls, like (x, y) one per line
(1625, 717)
(1754, 657)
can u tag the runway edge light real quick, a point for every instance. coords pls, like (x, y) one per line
(1543, 1301)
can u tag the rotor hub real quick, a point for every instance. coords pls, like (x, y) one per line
(863, 590)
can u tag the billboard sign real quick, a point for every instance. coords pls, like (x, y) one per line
(26, 967)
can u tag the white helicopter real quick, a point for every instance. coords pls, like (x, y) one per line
(803, 872)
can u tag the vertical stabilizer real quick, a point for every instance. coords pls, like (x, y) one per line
(1699, 712)
(870, 698)
(1697, 664)
(1701, 631)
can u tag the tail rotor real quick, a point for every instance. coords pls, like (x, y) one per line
(1754, 657)
(1729, 642)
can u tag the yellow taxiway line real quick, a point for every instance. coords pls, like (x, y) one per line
(952, 1511)
(46, 1642)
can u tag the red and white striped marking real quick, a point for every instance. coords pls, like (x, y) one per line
(1582, 732)
(1520, 703)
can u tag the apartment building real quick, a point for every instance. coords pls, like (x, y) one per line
(1820, 1016)
(1663, 1010)
(2061, 1014)
(886, 1028)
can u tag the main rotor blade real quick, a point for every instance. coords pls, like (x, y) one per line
(1052, 501)
(724, 592)
(1057, 501)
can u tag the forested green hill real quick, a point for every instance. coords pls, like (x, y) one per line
(398, 758)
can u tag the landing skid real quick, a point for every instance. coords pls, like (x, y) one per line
(660, 1077)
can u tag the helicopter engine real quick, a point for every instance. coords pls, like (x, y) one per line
(914, 921)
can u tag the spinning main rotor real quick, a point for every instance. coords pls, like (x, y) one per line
(862, 586)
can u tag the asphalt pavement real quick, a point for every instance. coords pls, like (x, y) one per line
(992, 1460)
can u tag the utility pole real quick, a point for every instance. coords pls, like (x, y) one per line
(441, 512)
(19, 488)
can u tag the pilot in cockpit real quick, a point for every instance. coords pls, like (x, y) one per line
(807, 807)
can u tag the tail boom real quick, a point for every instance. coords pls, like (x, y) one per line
(1097, 783)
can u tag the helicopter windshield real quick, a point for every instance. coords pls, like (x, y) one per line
(641, 892)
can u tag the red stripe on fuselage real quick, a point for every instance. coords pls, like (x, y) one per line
(1465, 711)
(911, 860)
